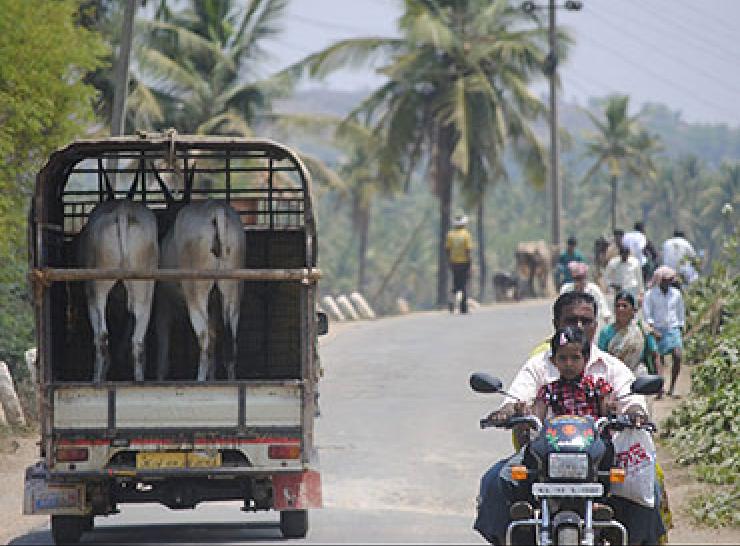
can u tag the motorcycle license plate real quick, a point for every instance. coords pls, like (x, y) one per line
(567, 489)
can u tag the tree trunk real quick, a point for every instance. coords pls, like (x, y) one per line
(614, 202)
(363, 222)
(482, 268)
(443, 184)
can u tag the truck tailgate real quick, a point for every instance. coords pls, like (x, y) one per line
(176, 407)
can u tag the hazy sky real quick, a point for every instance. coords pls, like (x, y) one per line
(684, 53)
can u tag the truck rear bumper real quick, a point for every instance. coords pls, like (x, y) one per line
(296, 490)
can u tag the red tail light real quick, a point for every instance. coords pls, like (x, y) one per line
(71, 454)
(284, 452)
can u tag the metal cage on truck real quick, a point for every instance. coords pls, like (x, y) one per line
(126, 441)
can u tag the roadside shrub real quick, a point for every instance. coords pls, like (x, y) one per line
(703, 430)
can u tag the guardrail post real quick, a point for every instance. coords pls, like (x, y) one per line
(9, 399)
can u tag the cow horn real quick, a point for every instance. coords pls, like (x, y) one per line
(167, 194)
(189, 178)
(132, 190)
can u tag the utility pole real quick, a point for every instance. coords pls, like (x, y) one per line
(550, 69)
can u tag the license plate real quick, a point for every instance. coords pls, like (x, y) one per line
(567, 489)
(49, 499)
(177, 459)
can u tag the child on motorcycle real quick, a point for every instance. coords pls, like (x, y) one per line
(572, 393)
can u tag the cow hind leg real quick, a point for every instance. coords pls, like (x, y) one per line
(196, 297)
(140, 295)
(231, 303)
(97, 299)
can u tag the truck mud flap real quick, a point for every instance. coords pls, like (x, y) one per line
(296, 490)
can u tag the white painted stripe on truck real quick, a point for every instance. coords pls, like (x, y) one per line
(173, 407)
(273, 406)
(80, 407)
(177, 407)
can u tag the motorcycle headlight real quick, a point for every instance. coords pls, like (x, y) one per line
(568, 465)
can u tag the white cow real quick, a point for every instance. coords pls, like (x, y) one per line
(119, 234)
(205, 235)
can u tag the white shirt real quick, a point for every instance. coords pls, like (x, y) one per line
(593, 289)
(675, 250)
(664, 310)
(539, 371)
(627, 275)
(636, 242)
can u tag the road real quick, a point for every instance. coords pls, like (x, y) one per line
(401, 452)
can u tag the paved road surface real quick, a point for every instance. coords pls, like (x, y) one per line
(401, 452)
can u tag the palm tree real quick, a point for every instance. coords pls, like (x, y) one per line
(622, 146)
(196, 69)
(456, 93)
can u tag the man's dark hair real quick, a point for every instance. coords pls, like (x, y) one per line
(639, 226)
(570, 298)
(572, 240)
(678, 233)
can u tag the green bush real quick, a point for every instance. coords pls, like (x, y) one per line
(703, 431)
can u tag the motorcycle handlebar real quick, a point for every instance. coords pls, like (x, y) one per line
(621, 422)
(511, 422)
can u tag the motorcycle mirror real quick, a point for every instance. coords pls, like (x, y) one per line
(647, 384)
(483, 382)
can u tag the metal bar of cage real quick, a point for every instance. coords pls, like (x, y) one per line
(304, 274)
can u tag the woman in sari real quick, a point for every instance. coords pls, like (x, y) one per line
(625, 338)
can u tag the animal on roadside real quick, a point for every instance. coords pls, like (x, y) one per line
(206, 235)
(119, 234)
(534, 262)
(505, 287)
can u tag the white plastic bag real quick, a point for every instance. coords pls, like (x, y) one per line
(634, 451)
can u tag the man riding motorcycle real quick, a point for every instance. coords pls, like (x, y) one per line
(498, 492)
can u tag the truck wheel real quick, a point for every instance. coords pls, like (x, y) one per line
(294, 523)
(69, 529)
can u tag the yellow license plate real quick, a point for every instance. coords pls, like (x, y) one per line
(178, 459)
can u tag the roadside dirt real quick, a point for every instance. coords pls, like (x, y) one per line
(17, 452)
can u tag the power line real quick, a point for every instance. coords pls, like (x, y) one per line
(689, 92)
(661, 16)
(718, 22)
(682, 61)
(682, 35)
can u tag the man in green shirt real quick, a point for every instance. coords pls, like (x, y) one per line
(570, 254)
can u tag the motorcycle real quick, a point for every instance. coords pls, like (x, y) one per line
(568, 466)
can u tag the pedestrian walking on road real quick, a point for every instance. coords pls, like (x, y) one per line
(459, 247)
(623, 272)
(570, 254)
(663, 309)
(678, 254)
(580, 283)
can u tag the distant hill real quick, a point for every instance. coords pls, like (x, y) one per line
(712, 143)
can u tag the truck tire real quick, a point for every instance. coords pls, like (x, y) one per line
(69, 529)
(294, 523)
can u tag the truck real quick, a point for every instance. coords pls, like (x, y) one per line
(176, 441)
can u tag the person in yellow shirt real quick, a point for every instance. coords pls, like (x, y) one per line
(459, 246)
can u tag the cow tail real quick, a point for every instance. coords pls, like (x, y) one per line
(122, 227)
(218, 233)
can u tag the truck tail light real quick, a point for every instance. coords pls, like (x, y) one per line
(71, 454)
(284, 452)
